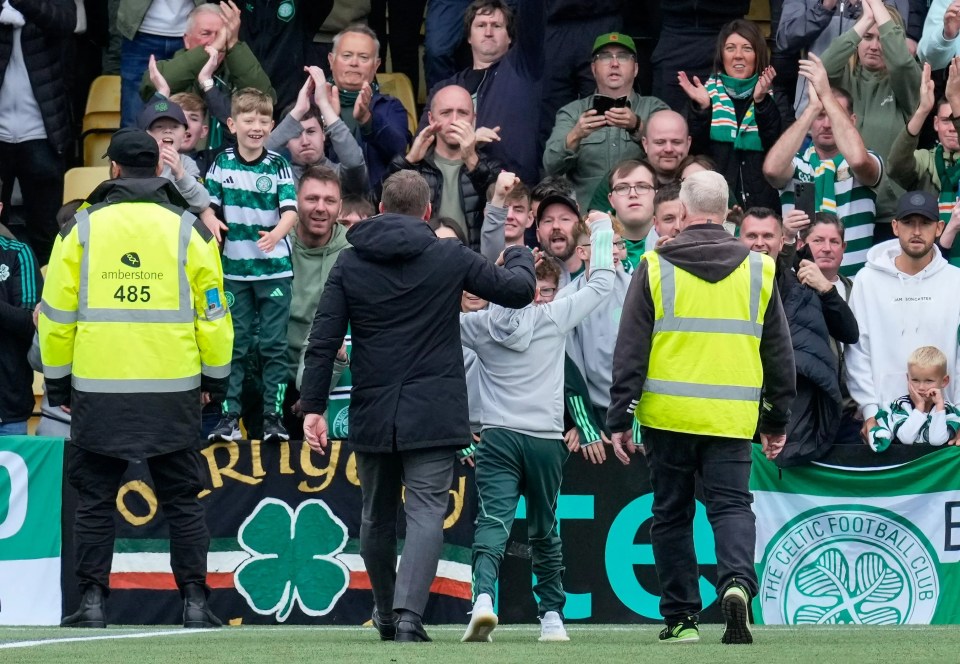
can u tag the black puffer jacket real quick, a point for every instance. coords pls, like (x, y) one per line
(398, 287)
(743, 169)
(48, 23)
(473, 188)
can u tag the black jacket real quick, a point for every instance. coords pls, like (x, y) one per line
(399, 287)
(813, 319)
(707, 251)
(20, 287)
(743, 169)
(473, 188)
(48, 23)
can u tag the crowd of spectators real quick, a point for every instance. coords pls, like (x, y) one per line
(272, 125)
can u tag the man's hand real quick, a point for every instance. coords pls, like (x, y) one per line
(210, 66)
(587, 123)
(773, 444)
(325, 96)
(315, 432)
(506, 181)
(695, 90)
(157, 79)
(342, 353)
(204, 398)
(595, 215)
(764, 84)
(868, 424)
(361, 109)
(231, 21)
(811, 276)
(814, 71)
(793, 223)
(623, 118)
(220, 42)
(951, 21)
(422, 143)
(594, 452)
(170, 157)
(304, 96)
(927, 93)
(213, 224)
(572, 440)
(623, 445)
(267, 241)
(952, 91)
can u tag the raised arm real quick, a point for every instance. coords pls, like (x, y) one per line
(778, 165)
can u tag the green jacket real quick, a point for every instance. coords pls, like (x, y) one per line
(130, 15)
(883, 101)
(311, 266)
(599, 152)
(239, 69)
(915, 169)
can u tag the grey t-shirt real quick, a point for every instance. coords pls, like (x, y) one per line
(450, 204)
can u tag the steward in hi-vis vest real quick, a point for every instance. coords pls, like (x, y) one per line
(703, 361)
(134, 334)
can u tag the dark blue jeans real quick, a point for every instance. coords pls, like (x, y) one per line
(722, 465)
(134, 57)
(442, 35)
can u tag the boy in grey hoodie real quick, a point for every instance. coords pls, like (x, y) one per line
(521, 451)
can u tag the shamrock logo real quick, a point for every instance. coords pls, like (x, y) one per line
(293, 558)
(865, 599)
(4, 272)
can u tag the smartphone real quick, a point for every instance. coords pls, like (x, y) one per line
(603, 103)
(804, 198)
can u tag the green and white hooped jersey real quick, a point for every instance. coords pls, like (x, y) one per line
(252, 196)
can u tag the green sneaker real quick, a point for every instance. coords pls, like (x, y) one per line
(685, 631)
(735, 608)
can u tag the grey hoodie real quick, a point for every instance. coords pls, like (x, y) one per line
(521, 351)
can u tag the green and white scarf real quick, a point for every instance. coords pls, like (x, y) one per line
(824, 179)
(723, 122)
(949, 181)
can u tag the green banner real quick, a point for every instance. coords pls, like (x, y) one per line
(870, 546)
(338, 408)
(30, 498)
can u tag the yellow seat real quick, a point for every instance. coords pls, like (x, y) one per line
(98, 127)
(80, 182)
(399, 86)
(104, 95)
(94, 147)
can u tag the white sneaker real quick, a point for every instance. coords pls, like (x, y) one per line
(551, 627)
(482, 620)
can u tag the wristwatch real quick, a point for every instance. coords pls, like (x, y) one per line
(207, 85)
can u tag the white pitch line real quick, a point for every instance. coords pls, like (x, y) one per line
(105, 637)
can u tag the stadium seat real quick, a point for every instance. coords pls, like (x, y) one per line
(79, 182)
(100, 119)
(399, 86)
(104, 95)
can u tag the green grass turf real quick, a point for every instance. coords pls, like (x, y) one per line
(588, 645)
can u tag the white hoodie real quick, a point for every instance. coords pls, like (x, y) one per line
(897, 314)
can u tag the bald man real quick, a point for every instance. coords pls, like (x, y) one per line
(447, 154)
(666, 140)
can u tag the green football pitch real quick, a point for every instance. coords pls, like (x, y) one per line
(512, 643)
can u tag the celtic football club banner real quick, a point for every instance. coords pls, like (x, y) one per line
(338, 408)
(30, 478)
(874, 547)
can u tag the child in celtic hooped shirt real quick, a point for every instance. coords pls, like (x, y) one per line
(252, 191)
(922, 416)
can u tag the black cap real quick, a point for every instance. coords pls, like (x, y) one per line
(162, 108)
(918, 202)
(133, 147)
(557, 198)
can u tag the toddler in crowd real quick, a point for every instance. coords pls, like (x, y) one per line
(922, 416)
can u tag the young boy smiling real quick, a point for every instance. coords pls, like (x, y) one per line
(252, 191)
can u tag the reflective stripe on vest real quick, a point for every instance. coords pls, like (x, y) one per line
(704, 374)
(183, 314)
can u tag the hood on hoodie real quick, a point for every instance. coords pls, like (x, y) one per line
(390, 237)
(138, 190)
(338, 242)
(706, 251)
(882, 256)
(512, 328)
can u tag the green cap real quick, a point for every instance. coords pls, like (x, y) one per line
(617, 38)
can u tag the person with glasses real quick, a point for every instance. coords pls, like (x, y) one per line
(733, 117)
(633, 184)
(593, 134)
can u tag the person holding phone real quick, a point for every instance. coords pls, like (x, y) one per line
(594, 134)
(733, 117)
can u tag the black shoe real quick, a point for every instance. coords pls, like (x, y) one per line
(91, 612)
(735, 607)
(410, 630)
(196, 612)
(228, 428)
(273, 429)
(387, 629)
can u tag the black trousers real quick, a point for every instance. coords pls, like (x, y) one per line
(722, 465)
(177, 481)
(39, 169)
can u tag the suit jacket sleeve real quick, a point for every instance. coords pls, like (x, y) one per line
(326, 337)
(779, 371)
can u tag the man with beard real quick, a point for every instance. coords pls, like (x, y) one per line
(904, 298)
(557, 216)
(446, 154)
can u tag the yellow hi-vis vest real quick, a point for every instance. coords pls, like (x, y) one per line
(704, 375)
